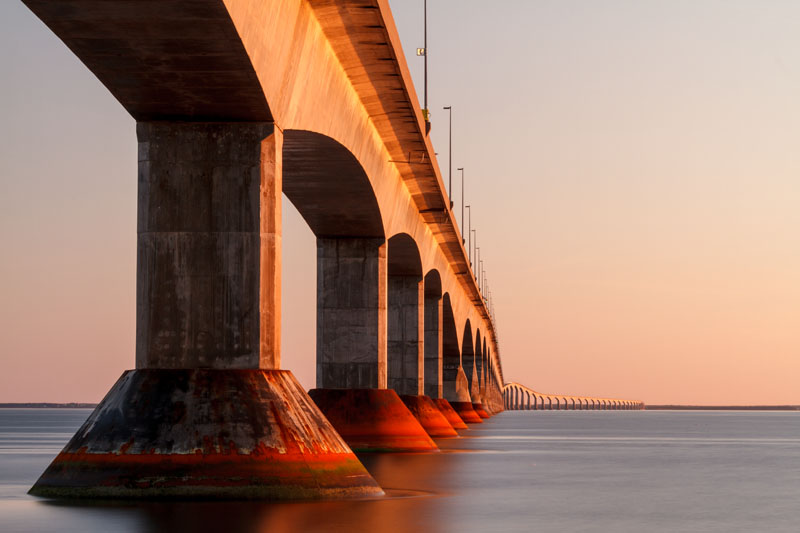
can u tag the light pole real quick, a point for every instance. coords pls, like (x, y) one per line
(474, 237)
(424, 53)
(477, 264)
(469, 236)
(480, 278)
(462, 203)
(450, 156)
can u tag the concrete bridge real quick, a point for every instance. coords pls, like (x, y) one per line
(238, 102)
(517, 397)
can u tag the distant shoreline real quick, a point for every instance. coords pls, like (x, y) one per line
(722, 407)
(45, 405)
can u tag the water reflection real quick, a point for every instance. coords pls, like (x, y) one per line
(413, 483)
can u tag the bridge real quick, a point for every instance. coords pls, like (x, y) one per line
(237, 103)
(517, 397)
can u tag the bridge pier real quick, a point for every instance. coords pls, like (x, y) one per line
(207, 412)
(407, 307)
(474, 378)
(352, 354)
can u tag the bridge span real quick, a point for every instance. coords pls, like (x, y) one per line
(517, 397)
(237, 103)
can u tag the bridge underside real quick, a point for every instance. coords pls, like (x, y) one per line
(162, 60)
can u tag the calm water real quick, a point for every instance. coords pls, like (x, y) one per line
(648, 471)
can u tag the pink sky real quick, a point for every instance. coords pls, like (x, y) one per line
(634, 171)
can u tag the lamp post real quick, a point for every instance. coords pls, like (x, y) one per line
(424, 53)
(425, 44)
(477, 264)
(469, 236)
(474, 237)
(450, 157)
(462, 203)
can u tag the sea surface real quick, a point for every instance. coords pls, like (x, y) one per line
(542, 471)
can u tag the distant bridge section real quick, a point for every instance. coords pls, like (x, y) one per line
(518, 397)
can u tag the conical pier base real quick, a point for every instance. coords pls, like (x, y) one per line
(373, 420)
(223, 434)
(429, 416)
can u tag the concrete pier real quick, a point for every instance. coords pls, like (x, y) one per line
(353, 291)
(351, 313)
(207, 412)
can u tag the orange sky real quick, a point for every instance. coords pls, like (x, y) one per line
(633, 168)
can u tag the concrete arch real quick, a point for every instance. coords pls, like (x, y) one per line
(434, 336)
(329, 187)
(405, 325)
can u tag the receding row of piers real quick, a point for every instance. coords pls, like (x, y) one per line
(517, 397)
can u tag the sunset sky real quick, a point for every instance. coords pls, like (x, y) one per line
(634, 169)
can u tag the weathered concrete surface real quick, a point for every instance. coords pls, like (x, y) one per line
(208, 269)
(450, 413)
(206, 433)
(373, 420)
(351, 313)
(429, 416)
